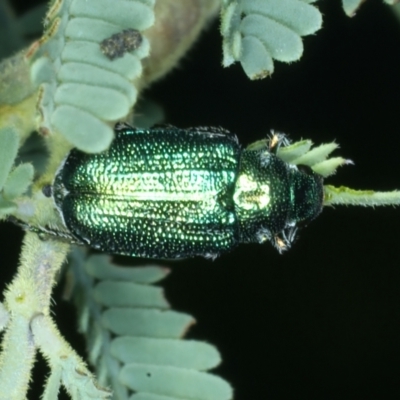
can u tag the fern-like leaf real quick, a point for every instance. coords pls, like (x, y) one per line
(135, 340)
(82, 88)
(256, 32)
(351, 6)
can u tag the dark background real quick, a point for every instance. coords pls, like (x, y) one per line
(323, 320)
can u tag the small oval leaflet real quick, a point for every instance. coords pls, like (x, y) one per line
(167, 192)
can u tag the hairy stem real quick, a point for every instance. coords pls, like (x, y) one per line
(27, 296)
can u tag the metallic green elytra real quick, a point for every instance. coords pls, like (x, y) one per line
(173, 193)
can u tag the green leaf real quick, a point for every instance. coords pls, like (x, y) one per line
(140, 330)
(82, 129)
(189, 354)
(8, 151)
(98, 77)
(328, 167)
(18, 181)
(316, 155)
(350, 6)
(294, 14)
(146, 322)
(128, 14)
(175, 382)
(99, 267)
(282, 43)
(84, 91)
(257, 31)
(302, 153)
(98, 101)
(128, 66)
(129, 294)
(294, 150)
(150, 396)
(256, 67)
